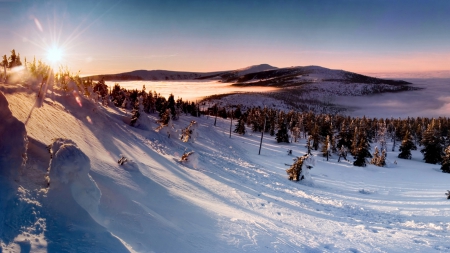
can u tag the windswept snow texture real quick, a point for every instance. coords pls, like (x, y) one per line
(230, 199)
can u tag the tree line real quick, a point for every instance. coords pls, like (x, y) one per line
(339, 135)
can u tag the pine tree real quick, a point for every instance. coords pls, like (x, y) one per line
(135, 114)
(382, 160)
(315, 137)
(446, 161)
(381, 135)
(326, 147)
(342, 153)
(375, 157)
(240, 126)
(171, 106)
(432, 149)
(354, 144)
(407, 146)
(282, 134)
(308, 144)
(362, 150)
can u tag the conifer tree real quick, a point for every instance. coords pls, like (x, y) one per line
(296, 169)
(432, 149)
(171, 106)
(382, 160)
(362, 151)
(446, 161)
(342, 153)
(406, 146)
(295, 131)
(135, 114)
(308, 144)
(315, 137)
(240, 126)
(326, 147)
(381, 135)
(282, 134)
(344, 137)
(375, 157)
(164, 120)
(354, 144)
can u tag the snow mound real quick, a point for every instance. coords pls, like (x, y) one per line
(192, 161)
(13, 142)
(69, 168)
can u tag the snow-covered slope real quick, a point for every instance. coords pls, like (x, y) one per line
(229, 200)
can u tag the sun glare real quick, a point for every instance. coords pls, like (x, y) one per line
(54, 54)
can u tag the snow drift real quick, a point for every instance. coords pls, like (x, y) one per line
(69, 169)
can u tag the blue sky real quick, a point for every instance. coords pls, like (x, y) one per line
(115, 36)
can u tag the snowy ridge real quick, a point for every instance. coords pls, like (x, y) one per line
(230, 200)
(179, 75)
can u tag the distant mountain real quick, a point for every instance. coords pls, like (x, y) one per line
(294, 76)
(155, 75)
(302, 78)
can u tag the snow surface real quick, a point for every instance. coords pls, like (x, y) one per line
(230, 200)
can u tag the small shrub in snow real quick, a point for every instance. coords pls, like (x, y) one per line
(185, 156)
(377, 159)
(296, 172)
(189, 133)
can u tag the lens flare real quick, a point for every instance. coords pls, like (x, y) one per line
(54, 54)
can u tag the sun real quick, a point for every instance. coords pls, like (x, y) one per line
(54, 54)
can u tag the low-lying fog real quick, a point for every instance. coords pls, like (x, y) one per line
(432, 101)
(189, 90)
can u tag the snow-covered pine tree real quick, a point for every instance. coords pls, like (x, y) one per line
(240, 126)
(375, 157)
(446, 161)
(342, 153)
(308, 144)
(431, 142)
(354, 145)
(135, 114)
(406, 146)
(164, 120)
(382, 159)
(295, 131)
(326, 147)
(296, 169)
(381, 135)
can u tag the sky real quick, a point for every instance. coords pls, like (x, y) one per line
(105, 37)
